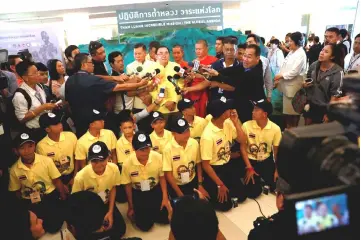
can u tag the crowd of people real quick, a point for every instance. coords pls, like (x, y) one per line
(156, 134)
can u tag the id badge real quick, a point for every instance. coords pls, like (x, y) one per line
(103, 196)
(145, 185)
(35, 197)
(185, 177)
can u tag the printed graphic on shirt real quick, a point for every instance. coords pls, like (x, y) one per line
(62, 164)
(183, 169)
(36, 187)
(152, 184)
(224, 153)
(255, 150)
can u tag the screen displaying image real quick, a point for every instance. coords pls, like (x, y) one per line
(319, 214)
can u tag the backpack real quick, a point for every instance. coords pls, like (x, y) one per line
(299, 100)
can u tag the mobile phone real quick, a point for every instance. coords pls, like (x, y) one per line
(161, 92)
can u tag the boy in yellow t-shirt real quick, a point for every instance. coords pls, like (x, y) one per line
(58, 145)
(160, 136)
(180, 160)
(196, 123)
(146, 186)
(96, 132)
(101, 177)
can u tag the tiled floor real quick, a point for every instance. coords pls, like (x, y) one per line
(235, 224)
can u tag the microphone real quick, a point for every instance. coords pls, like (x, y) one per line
(136, 72)
(177, 89)
(181, 71)
(139, 69)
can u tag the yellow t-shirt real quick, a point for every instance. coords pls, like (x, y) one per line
(38, 178)
(124, 149)
(84, 143)
(216, 143)
(134, 172)
(88, 180)
(61, 152)
(260, 141)
(180, 160)
(169, 93)
(197, 127)
(160, 142)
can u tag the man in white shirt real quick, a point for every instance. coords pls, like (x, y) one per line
(29, 100)
(352, 60)
(140, 52)
(267, 76)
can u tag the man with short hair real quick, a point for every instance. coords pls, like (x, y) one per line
(241, 48)
(267, 76)
(44, 78)
(220, 180)
(70, 52)
(263, 139)
(153, 46)
(219, 47)
(13, 60)
(86, 92)
(314, 51)
(352, 60)
(30, 99)
(197, 91)
(178, 54)
(225, 86)
(333, 36)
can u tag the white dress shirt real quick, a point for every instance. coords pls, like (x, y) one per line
(21, 105)
(132, 68)
(352, 62)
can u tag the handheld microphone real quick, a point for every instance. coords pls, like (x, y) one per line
(181, 71)
(177, 89)
(139, 69)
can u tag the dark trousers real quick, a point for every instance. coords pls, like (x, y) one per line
(187, 189)
(37, 133)
(231, 178)
(144, 125)
(51, 210)
(112, 122)
(266, 170)
(121, 196)
(147, 208)
(82, 126)
(65, 179)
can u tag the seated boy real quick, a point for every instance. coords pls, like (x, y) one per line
(58, 145)
(101, 177)
(160, 136)
(96, 132)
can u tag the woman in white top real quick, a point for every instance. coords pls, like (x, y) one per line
(290, 78)
(275, 56)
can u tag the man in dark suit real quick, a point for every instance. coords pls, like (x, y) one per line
(314, 51)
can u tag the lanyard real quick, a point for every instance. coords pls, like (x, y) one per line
(353, 62)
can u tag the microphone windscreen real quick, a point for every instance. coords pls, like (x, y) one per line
(177, 68)
(185, 68)
(169, 78)
(157, 70)
(139, 68)
(176, 76)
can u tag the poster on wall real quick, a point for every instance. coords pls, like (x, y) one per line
(42, 43)
(193, 15)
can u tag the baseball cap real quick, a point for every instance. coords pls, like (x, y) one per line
(49, 119)
(156, 116)
(217, 107)
(178, 125)
(95, 115)
(98, 151)
(141, 140)
(23, 138)
(265, 105)
(184, 104)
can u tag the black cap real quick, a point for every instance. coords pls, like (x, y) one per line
(218, 107)
(98, 151)
(22, 138)
(184, 104)
(265, 105)
(178, 125)
(95, 115)
(49, 119)
(156, 116)
(141, 140)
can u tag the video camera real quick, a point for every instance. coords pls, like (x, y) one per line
(321, 165)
